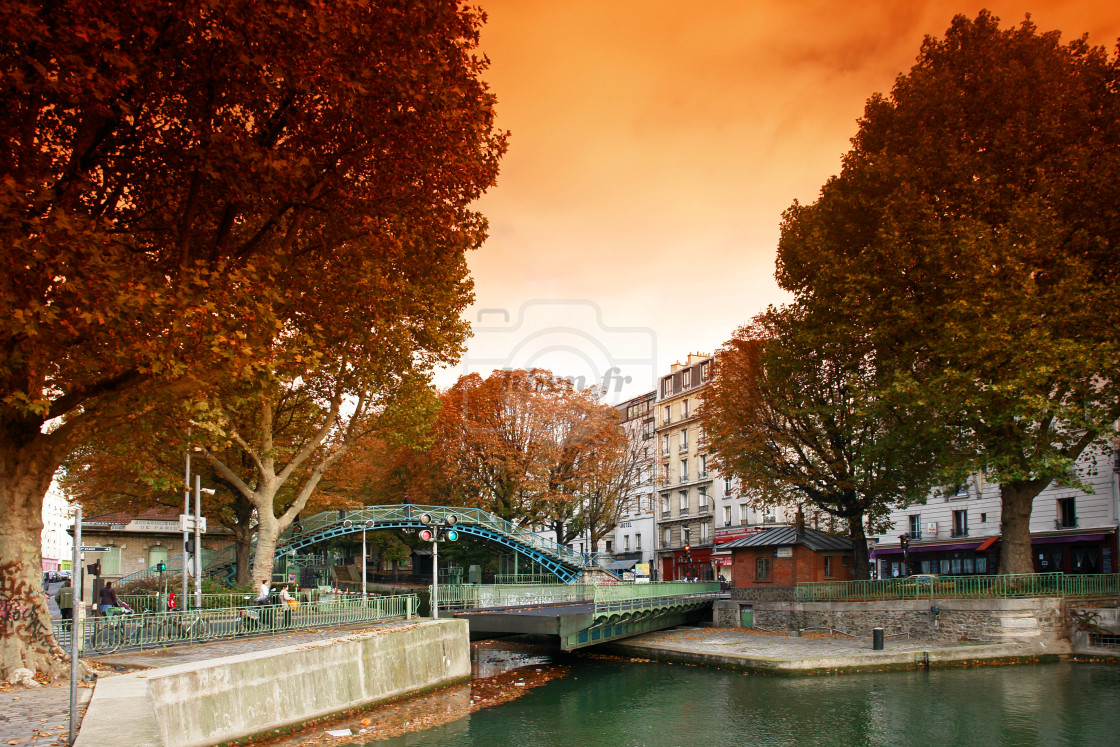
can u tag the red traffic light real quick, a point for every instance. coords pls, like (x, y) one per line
(688, 548)
(427, 535)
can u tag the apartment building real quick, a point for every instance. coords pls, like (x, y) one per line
(632, 547)
(957, 530)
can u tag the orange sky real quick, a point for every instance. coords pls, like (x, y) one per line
(654, 147)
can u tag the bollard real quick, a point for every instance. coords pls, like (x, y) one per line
(877, 639)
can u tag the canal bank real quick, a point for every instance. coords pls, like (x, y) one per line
(749, 650)
(234, 697)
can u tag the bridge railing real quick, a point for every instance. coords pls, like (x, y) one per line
(479, 596)
(409, 512)
(616, 597)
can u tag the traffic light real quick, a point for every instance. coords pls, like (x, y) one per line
(450, 520)
(428, 535)
(904, 541)
(452, 535)
(161, 566)
(190, 545)
(425, 519)
(688, 548)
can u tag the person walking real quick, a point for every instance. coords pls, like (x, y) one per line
(108, 598)
(264, 600)
(289, 604)
(64, 598)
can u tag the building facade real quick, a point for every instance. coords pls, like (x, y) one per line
(631, 548)
(788, 555)
(57, 544)
(957, 530)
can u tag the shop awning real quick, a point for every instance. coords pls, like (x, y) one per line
(987, 543)
(917, 549)
(1067, 538)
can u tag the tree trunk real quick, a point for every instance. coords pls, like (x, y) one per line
(861, 569)
(26, 633)
(1017, 501)
(267, 533)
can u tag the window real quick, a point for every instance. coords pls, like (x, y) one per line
(770, 516)
(684, 470)
(703, 465)
(704, 533)
(743, 515)
(665, 474)
(960, 524)
(705, 370)
(666, 386)
(667, 414)
(665, 445)
(668, 538)
(664, 504)
(915, 526)
(1067, 513)
(684, 408)
(686, 378)
(702, 498)
(608, 545)
(684, 503)
(727, 516)
(684, 440)
(828, 566)
(637, 542)
(762, 569)
(686, 535)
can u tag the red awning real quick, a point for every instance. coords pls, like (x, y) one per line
(987, 543)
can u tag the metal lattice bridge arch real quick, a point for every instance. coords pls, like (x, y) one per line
(566, 564)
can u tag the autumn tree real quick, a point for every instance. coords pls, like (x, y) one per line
(973, 230)
(794, 413)
(286, 435)
(191, 191)
(524, 445)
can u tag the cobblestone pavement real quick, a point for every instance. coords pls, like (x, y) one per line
(41, 715)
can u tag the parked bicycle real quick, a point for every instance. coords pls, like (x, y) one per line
(121, 627)
(186, 626)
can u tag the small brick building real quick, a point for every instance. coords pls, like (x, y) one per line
(786, 556)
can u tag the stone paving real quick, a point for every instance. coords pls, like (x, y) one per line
(41, 715)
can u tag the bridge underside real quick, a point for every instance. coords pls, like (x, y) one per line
(578, 625)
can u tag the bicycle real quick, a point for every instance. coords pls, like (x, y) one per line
(118, 629)
(189, 625)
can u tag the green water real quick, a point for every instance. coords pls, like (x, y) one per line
(603, 702)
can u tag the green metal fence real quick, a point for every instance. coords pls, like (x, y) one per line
(615, 597)
(604, 596)
(105, 634)
(964, 587)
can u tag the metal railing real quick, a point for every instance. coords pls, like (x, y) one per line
(105, 634)
(606, 597)
(615, 597)
(947, 587)
(479, 596)
(523, 578)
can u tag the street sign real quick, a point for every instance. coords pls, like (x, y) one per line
(94, 548)
(186, 523)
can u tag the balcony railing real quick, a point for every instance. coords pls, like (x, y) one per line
(1065, 523)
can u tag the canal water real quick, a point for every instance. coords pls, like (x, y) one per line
(524, 697)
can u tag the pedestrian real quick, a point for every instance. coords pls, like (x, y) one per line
(289, 603)
(64, 598)
(263, 600)
(108, 598)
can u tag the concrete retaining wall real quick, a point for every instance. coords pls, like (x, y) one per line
(219, 700)
(1034, 620)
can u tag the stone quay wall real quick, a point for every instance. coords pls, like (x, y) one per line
(235, 697)
(980, 620)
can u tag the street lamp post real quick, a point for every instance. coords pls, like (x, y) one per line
(436, 531)
(368, 524)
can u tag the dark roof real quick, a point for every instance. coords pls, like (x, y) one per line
(620, 565)
(157, 513)
(811, 538)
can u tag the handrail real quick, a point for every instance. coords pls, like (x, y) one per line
(977, 586)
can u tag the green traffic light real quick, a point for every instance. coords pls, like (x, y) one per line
(452, 535)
